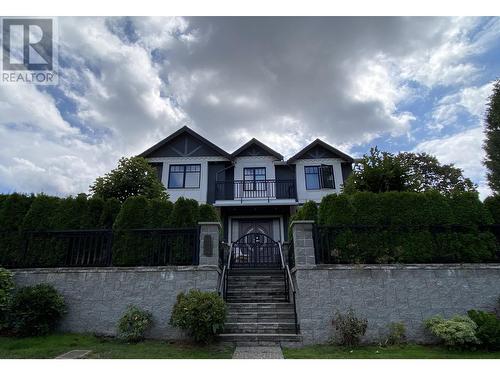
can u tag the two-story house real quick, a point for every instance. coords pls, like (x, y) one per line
(254, 188)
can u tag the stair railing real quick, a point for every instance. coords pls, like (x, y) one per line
(289, 287)
(222, 289)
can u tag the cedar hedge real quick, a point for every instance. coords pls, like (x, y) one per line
(22, 213)
(404, 227)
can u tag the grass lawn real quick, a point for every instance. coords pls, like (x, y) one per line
(54, 345)
(410, 351)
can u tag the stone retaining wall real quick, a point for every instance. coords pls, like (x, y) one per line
(97, 297)
(385, 294)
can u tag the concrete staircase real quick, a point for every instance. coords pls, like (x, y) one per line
(258, 313)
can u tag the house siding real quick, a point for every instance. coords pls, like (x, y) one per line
(304, 195)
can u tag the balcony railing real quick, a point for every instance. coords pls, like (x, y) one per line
(261, 189)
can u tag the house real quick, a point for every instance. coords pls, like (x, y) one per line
(255, 188)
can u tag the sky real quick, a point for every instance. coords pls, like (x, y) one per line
(403, 84)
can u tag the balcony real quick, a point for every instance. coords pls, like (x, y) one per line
(256, 191)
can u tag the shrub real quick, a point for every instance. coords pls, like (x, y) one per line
(349, 328)
(207, 212)
(12, 212)
(134, 323)
(397, 334)
(492, 204)
(393, 227)
(309, 211)
(109, 213)
(129, 248)
(459, 331)
(488, 328)
(6, 289)
(185, 213)
(202, 314)
(37, 310)
(159, 213)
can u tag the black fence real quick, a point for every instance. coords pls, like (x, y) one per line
(99, 248)
(344, 244)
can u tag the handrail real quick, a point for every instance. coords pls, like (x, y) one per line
(222, 288)
(289, 283)
(281, 255)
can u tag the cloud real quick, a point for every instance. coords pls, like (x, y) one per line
(470, 101)
(463, 149)
(128, 82)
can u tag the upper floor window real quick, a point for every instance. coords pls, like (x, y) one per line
(158, 167)
(254, 179)
(319, 177)
(186, 176)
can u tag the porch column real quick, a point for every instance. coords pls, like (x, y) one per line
(209, 242)
(303, 243)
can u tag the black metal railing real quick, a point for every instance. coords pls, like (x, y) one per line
(255, 250)
(99, 248)
(290, 253)
(343, 244)
(259, 189)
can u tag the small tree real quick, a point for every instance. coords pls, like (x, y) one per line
(133, 177)
(492, 143)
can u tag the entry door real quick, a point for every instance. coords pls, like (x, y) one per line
(256, 226)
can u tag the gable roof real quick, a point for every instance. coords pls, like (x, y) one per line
(320, 143)
(256, 144)
(184, 131)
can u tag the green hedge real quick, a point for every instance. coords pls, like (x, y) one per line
(21, 213)
(404, 227)
(133, 248)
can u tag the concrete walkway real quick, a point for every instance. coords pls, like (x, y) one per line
(258, 352)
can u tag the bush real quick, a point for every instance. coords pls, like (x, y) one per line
(109, 213)
(185, 213)
(349, 328)
(202, 314)
(133, 325)
(492, 204)
(309, 211)
(459, 331)
(37, 310)
(488, 328)
(6, 289)
(12, 212)
(397, 334)
(207, 212)
(396, 227)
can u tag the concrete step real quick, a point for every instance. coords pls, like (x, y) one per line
(260, 327)
(259, 306)
(255, 292)
(256, 284)
(290, 320)
(259, 339)
(246, 299)
(258, 315)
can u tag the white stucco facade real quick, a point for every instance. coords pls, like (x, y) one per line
(199, 194)
(303, 194)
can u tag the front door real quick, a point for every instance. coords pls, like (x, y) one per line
(262, 226)
(255, 246)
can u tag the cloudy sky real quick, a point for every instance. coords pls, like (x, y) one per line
(403, 84)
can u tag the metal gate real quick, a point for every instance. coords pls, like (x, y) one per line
(255, 250)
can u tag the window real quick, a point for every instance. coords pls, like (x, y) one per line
(158, 167)
(254, 179)
(319, 177)
(184, 176)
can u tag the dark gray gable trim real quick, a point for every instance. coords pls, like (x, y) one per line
(256, 143)
(184, 130)
(319, 142)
